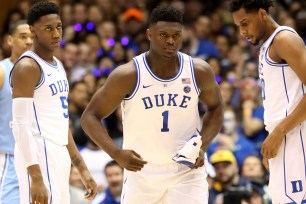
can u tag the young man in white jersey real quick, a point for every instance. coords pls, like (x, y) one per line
(282, 72)
(159, 92)
(20, 40)
(44, 146)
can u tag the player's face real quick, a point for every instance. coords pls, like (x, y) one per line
(21, 40)
(250, 24)
(48, 31)
(165, 38)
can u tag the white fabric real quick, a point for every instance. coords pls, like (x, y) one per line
(51, 119)
(168, 184)
(23, 114)
(190, 152)
(162, 114)
(54, 162)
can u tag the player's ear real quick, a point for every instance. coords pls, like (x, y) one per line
(262, 14)
(10, 40)
(148, 33)
(32, 31)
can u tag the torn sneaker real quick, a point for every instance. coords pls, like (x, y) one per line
(190, 152)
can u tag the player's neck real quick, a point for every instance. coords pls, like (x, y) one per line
(14, 58)
(43, 53)
(161, 66)
(271, 27)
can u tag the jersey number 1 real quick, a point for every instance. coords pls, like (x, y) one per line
(165, 115)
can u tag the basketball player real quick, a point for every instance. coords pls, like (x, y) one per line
(159, 90)
(282, 71)
(44, 146)
(20, 40)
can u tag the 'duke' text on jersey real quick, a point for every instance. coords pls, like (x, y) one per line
(59, 87)
(166, 100)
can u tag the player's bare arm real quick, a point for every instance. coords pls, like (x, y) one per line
(211, 97)
(78, 162)
(25, 76)
(119, 84)
(289, 47)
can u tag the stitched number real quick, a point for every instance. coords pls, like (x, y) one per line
(165, 115)
(65, 106)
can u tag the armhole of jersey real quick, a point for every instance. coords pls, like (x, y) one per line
(42, 77)
(137, 80)
(267, 57)
(193, 76)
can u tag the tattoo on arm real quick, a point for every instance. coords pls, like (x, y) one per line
(75, 160)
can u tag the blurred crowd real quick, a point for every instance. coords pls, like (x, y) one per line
(100, 35)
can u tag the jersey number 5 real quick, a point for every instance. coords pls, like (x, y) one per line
(64, 106)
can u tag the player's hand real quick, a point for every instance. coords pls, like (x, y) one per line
(39, 193)
(130, 160)
(199, 161)
(265, 162)
(90, 185)
(272, 143)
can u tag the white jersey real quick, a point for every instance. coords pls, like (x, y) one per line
(161, 115)
(282, 90)
(50, 119)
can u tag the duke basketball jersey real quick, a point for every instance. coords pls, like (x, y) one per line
(50, 119)
(282, 90)
(161, 115)
(7, 142)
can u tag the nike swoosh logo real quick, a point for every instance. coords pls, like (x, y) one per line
(144, 86)
(49, 74)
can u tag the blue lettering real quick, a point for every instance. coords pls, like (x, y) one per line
(184, 101)
(66, 85)
(145, 100)
(60, 86)
(172, 99)
(297, 186)
(162, 100)
(53, 89)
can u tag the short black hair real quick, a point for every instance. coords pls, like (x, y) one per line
(14, 26)
(168, 14)
(41, 9)
(111, 163)
(251, 5)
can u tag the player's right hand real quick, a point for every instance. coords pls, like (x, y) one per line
(130, 160)
(39, 193)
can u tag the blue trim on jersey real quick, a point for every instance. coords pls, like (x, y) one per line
(52, 65)
(181, 62)
(193, 76)
(137, 80)
(42, 78)
(276, 64)
(303, 89)
(3, 173)
(284, 80)
(123, 195)
(36, 118)
(47, 167)
(301, 136)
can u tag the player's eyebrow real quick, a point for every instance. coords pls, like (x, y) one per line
(243, 20)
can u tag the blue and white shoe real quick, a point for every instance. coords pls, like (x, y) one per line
(190, 152)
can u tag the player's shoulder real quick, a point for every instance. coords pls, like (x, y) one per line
(203, 72)
(285, 36)
(125, 71)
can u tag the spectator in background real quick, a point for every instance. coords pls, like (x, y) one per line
(232, 138)
(114, 176)
(252, 113)
(78, 100)
(76, 187)
(96, 159)
(227, 179)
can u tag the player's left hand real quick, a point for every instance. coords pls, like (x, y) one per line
(90, 185)
(272, 143)
(199, 161)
